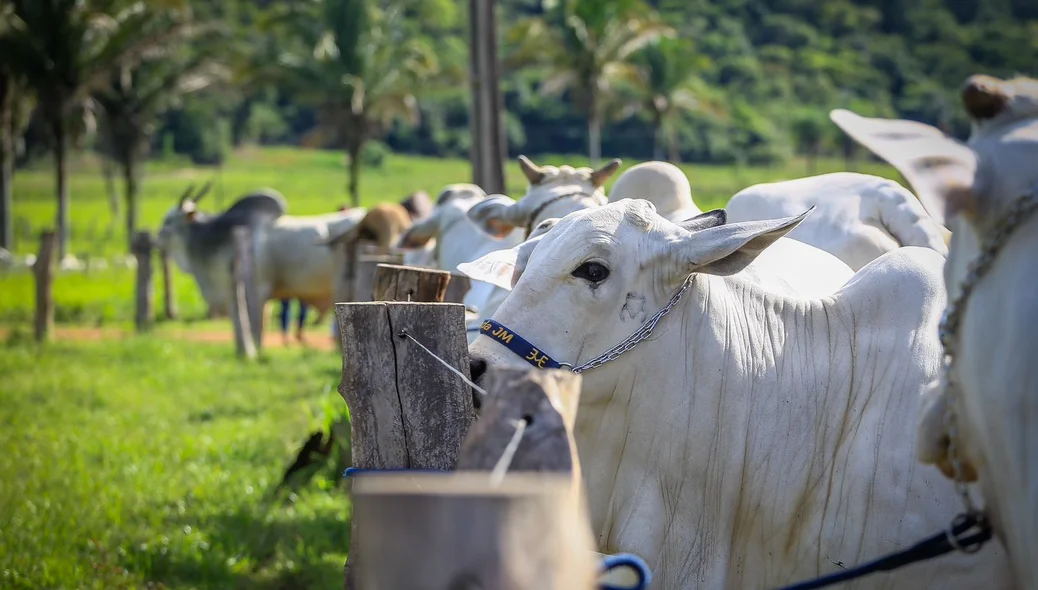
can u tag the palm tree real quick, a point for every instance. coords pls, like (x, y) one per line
(67, 48)
(16, 104)
(361, 69)
(586, 46)
(135, 97)
(666, 86)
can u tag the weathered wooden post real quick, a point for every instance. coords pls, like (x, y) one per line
(141, 246)
(464, 531)
(406, 409)
(245, 310)
(43, 269)
(169, 297)
(394, 282)
(457, 288)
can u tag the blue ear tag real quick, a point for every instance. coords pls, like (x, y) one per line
(518, 345)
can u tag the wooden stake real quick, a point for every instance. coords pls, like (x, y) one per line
(141, 246)
(395, 282)
(457, 288)
(245, 314)
(169, 298)
(458, 531)
(43, 269)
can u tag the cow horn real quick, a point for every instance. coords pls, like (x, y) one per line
(205, 189)
(532, 171)
(983, 97)
(186, 194)
(598, 177)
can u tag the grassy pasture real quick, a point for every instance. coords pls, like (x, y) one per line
(150, 461)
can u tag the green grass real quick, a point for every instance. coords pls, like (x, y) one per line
(146, 460)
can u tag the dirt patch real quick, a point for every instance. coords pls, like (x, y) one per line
(314, 341)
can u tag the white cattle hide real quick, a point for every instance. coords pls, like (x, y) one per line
(661, 183)
(755, 439)
(858, 217)
(970, 187)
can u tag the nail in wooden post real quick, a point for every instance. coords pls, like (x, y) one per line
(169, 298)
(406, 409)
(141, 246)
(43, 269)
(459, 531)
(394, 282)
(246, 321)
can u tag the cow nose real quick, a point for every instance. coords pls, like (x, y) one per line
(477, 367)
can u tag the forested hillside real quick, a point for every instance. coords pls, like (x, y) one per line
(740, 80)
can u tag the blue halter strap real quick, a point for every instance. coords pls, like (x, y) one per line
(519, 345)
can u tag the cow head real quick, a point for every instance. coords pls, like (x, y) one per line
(451, 206)
(599, 274)
(418, 205)
(553, 191)
(172, 234)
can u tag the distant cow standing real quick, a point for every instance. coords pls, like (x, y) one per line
(290, 261)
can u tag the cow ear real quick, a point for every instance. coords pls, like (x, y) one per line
(495, 268)
(706, 220)
(727, 249)
(497, 215)
(940, 169)
(349, 234)
(419, 234)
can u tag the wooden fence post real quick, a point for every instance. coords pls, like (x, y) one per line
(406, 409)
(462, 532)
(457, 288)
(43, 269)
(169, 298)
(245, 310)
(141, 246)
(395, 282)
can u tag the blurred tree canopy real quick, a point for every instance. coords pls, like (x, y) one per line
(716, 81)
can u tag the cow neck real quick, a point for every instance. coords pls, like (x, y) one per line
(525, 350)
(540, 208)
(1019, 212)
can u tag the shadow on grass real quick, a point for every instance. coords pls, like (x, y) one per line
(260, 547)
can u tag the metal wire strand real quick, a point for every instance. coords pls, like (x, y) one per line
(505, 461)
(445, 363)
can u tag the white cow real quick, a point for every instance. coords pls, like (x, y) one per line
(755, 439)
(858, 217)
(289, 256)
(459, 240)
(552, 192)
(973, 187)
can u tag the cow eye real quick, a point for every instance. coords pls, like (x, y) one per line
(595, 272)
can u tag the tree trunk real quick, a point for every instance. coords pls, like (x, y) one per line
(657, 136)
(61, 164)
(672, 147)
(812, 159)
(353, 186)
(6, 174)
(594, 137)
(108, 171)
(131, 179)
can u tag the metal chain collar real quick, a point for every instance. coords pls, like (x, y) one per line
(951, 321)
(631, 341)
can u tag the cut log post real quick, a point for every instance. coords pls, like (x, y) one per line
(364, 278)
(394, 282)
(141, 246)
(169, 297)
(547, 401)
(245, 311)
(43, 269)
(406, 409)
(459, 531)
(457, 288)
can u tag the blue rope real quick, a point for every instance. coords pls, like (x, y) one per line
(611, 562)
(355, 471)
